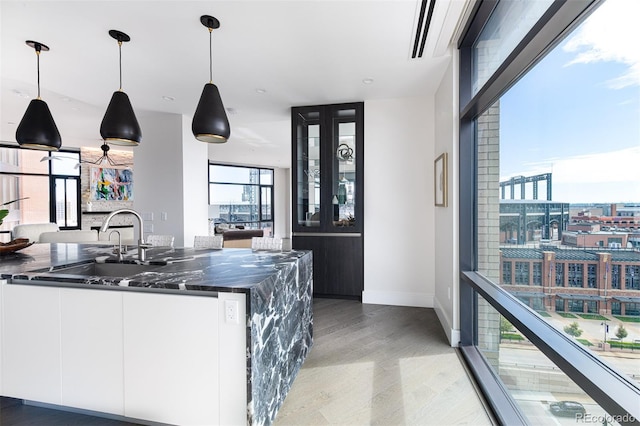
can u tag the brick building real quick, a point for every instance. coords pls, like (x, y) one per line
(568, 280)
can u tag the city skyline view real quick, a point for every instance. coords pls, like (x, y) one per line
(577, 113)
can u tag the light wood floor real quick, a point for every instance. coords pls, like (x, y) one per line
(380, 365)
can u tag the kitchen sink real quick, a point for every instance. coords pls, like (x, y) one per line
(106, 269)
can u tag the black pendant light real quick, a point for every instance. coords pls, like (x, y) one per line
(37, 130)
(210, 123)
(119, 124)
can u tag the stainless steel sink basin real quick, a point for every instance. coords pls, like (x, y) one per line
(106, 269)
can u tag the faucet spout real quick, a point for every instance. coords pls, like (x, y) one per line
(142, 246)
(118, 250)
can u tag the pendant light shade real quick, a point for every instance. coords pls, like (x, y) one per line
(119, 124)
(210, 123)
(37, 130)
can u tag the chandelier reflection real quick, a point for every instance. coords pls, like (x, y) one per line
(105, 160)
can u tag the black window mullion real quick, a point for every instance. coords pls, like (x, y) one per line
(609, 390)
(561, 16)
(257, 186)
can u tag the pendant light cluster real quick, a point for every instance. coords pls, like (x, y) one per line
(37, 130)
(119, 126)
(210, 123)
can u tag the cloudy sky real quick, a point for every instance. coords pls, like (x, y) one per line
(577, 114)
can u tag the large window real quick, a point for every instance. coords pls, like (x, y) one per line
(47, 183)
(539, 94)
(559, 274)
(506, 272)
(522, 273)
(632, 277)
(241, 196)
(575, 275)
(615, 277)
(592, 278)
(537, 273)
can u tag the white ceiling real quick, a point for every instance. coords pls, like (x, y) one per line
(298, 52)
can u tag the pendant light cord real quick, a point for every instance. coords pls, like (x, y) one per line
(210, 58)
(38, 61)
(120, 62)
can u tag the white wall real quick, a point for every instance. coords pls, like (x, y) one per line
(158, 174)
(446, 218)
(255, 150)
(195, 188)
(399, 248)
(282, 203)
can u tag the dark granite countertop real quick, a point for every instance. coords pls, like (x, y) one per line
(173, 268)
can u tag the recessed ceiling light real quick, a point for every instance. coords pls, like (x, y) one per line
(367, 80)
(21, 94)
(169, 98)
(261, 91)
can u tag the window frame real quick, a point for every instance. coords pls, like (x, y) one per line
(259, 190)
(51, 178)
(613, 392)
(521, 276)
(615, 276)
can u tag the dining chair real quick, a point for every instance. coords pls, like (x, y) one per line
(207, 242)
(266, 243)
(158, 240)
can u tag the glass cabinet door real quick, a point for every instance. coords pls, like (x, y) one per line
(327, 174)
(308, 169)
(344, 170)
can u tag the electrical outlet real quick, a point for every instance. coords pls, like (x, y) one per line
(163, 216)
(231, 311)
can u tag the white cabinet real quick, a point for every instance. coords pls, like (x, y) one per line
(31, 343)
(92, 364)
(233, 358)
(171, 358)
(150, 356)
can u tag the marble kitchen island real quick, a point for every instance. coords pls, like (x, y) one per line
(196, 337)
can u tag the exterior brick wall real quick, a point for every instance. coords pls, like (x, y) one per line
(488, 213)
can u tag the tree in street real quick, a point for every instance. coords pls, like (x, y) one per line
(622, 332)
(573, 329)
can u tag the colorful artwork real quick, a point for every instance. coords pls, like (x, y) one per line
(111, 184)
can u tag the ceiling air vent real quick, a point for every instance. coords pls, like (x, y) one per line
(422, 28)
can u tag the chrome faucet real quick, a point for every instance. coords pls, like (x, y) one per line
(142, 246)
(117, 250)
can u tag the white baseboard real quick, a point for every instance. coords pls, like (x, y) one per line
(453, 334)
(396, 298)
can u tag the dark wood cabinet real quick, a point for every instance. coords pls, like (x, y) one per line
(328, 194)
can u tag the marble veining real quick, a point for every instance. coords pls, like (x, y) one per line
(278, 285)
(174, 268)
(281, 337)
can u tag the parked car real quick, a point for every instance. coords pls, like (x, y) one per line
(566, 408)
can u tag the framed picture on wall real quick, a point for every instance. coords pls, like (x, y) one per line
(108, 184)
(440, 180)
